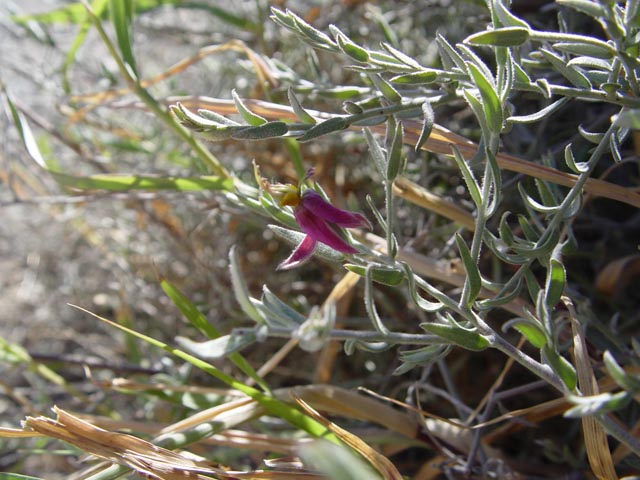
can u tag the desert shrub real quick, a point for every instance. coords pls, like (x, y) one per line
(452, 202)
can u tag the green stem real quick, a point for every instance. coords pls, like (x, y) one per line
(581, 94)
(205, 155)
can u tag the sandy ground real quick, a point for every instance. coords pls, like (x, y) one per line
(53, 253)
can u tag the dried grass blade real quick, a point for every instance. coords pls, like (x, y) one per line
(140, 455)
(381, 463)
(595, 438)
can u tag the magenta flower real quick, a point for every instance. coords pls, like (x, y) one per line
(321, 222)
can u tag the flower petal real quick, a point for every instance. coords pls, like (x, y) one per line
(320, 230)
(316, 204)
(301, 254)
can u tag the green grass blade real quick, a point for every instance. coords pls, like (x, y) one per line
(225, 15)
(274, 406)
(198, 320)
(118, 183)
(15, 476)
(121, 17)
(25, 132)
(99, 7)
(75, 13)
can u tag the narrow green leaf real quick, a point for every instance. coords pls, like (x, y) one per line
(529, 232)
(420, 357)
(501, 299)
(576, 167)
(202, 120)
(575, 76)
(423, 77)
(593, 9)
(500, 37)
(602, 67)
(423, 355)
(218, 348)
(597, 404)
(473, 274)
(344, 92)
(467, 175)
(476, 108)
(395, 159)
(546, 194)
(386, 88)
(529, 330)
(540, 114)
(317, 37)
(520, 74)
(495, 178)
(334, 124)
(282, 18)
(628, 381)
(428, 119)
(471, 56)
(535, 205)
(490, 99)
(385, 275)
(450, 57)
(298, 108)
(351, 49)
(248, 116)
(594, 48)
(369, 122)
(352, 107)
(561, 367)
(507, 18)
(122, 17)
(532, 285)
(506, 235)
(614, 148)
(401, 56)
(593, 137)
(240, 289)
(544, 87)
(370, 303)
(215, 117)
(458, 336)
(261, 132)
(287, 316)
(379, 159)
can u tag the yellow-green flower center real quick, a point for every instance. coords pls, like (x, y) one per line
(290, 197)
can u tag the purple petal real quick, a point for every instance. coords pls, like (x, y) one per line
(319, 230)
(318, 206)
(301, 254)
